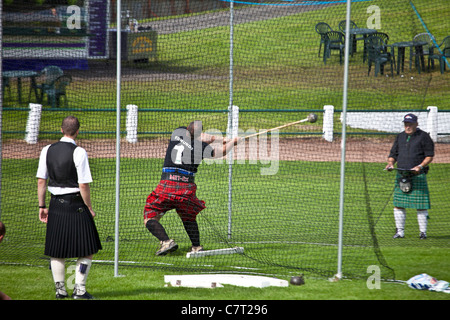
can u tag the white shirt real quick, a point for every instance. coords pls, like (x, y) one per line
(80, 159)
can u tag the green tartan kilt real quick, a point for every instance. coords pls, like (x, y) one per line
(418, 198)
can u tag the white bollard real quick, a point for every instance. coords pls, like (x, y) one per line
(233, 122)
(432, 122)
(328, 124)
(132, 123)
(33, 123)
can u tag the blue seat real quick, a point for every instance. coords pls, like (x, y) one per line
(321, 29)
(426, 37)
(334, 40)
(379, 55)
(441, 53)
(48, 75)
(381, 35)
(353, 39)
(57, 89)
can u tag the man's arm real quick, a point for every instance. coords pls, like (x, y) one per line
(393, 154)
(205, 137)
(222, 150)
(428, 149)
(424, 163)
(390, 164)
(42, 188)
(85, 191)
(84, 176)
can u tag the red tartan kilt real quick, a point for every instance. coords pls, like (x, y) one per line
(170, 195)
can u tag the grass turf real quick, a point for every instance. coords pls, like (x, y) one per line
(407, 257)
(34, 283)
(304, 86)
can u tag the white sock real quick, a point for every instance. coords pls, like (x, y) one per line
(58, 267)
(422, 219)
(81, 273)
(400, 218)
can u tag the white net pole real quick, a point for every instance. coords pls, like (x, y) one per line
(344, 133)
(230, 121)
(118, 102)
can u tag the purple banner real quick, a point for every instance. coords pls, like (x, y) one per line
(98, 28)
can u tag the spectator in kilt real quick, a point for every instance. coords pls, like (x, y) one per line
(71, 231)
(413, 150)
(187, 147)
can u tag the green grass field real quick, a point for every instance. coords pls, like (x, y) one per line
(34, 283)
(297, 220)
(270, 74)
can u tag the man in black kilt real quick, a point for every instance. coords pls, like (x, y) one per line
(71, 231)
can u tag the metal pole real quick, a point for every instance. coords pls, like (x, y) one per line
(118, 66)
(230, 117)
(1, 102)
(344, 136)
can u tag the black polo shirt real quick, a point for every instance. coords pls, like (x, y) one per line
(186, 153)
(410, 151)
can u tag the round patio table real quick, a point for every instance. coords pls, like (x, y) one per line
(19, 74)
(365, 32)
(401, 46)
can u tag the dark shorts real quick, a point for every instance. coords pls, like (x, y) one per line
(170, 195)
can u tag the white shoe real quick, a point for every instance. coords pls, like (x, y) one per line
(196, 249)
(61, 292)
(398, 234)
(166, 247)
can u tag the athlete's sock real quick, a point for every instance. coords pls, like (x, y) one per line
(157, 230)
(192, 231)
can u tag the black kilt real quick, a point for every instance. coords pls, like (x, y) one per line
(71, 230)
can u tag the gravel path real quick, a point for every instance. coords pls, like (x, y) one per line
(291, 149)
(241, 15)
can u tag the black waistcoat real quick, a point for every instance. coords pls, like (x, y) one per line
(61, 168)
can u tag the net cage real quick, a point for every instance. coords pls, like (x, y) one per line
(241, 67)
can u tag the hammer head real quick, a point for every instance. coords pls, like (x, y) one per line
(312, 117)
